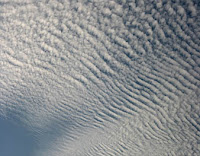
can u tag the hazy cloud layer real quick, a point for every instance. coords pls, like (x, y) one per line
(102, 77)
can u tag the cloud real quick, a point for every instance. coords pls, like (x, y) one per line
(92, 77)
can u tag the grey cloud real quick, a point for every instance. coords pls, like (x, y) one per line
(89, 77)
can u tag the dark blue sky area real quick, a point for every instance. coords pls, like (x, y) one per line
(15, 140)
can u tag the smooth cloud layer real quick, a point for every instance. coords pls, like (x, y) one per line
(92, 77)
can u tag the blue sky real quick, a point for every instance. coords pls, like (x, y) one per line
(14, 140)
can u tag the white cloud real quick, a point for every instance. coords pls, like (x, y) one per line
(90, 77)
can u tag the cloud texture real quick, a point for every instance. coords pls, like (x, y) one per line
(102, 77)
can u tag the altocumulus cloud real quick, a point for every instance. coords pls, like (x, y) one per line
(102, 77)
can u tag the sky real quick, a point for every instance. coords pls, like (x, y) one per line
(99, 77)
(15, 140)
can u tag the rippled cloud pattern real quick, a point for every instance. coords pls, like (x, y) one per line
(101, 77)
